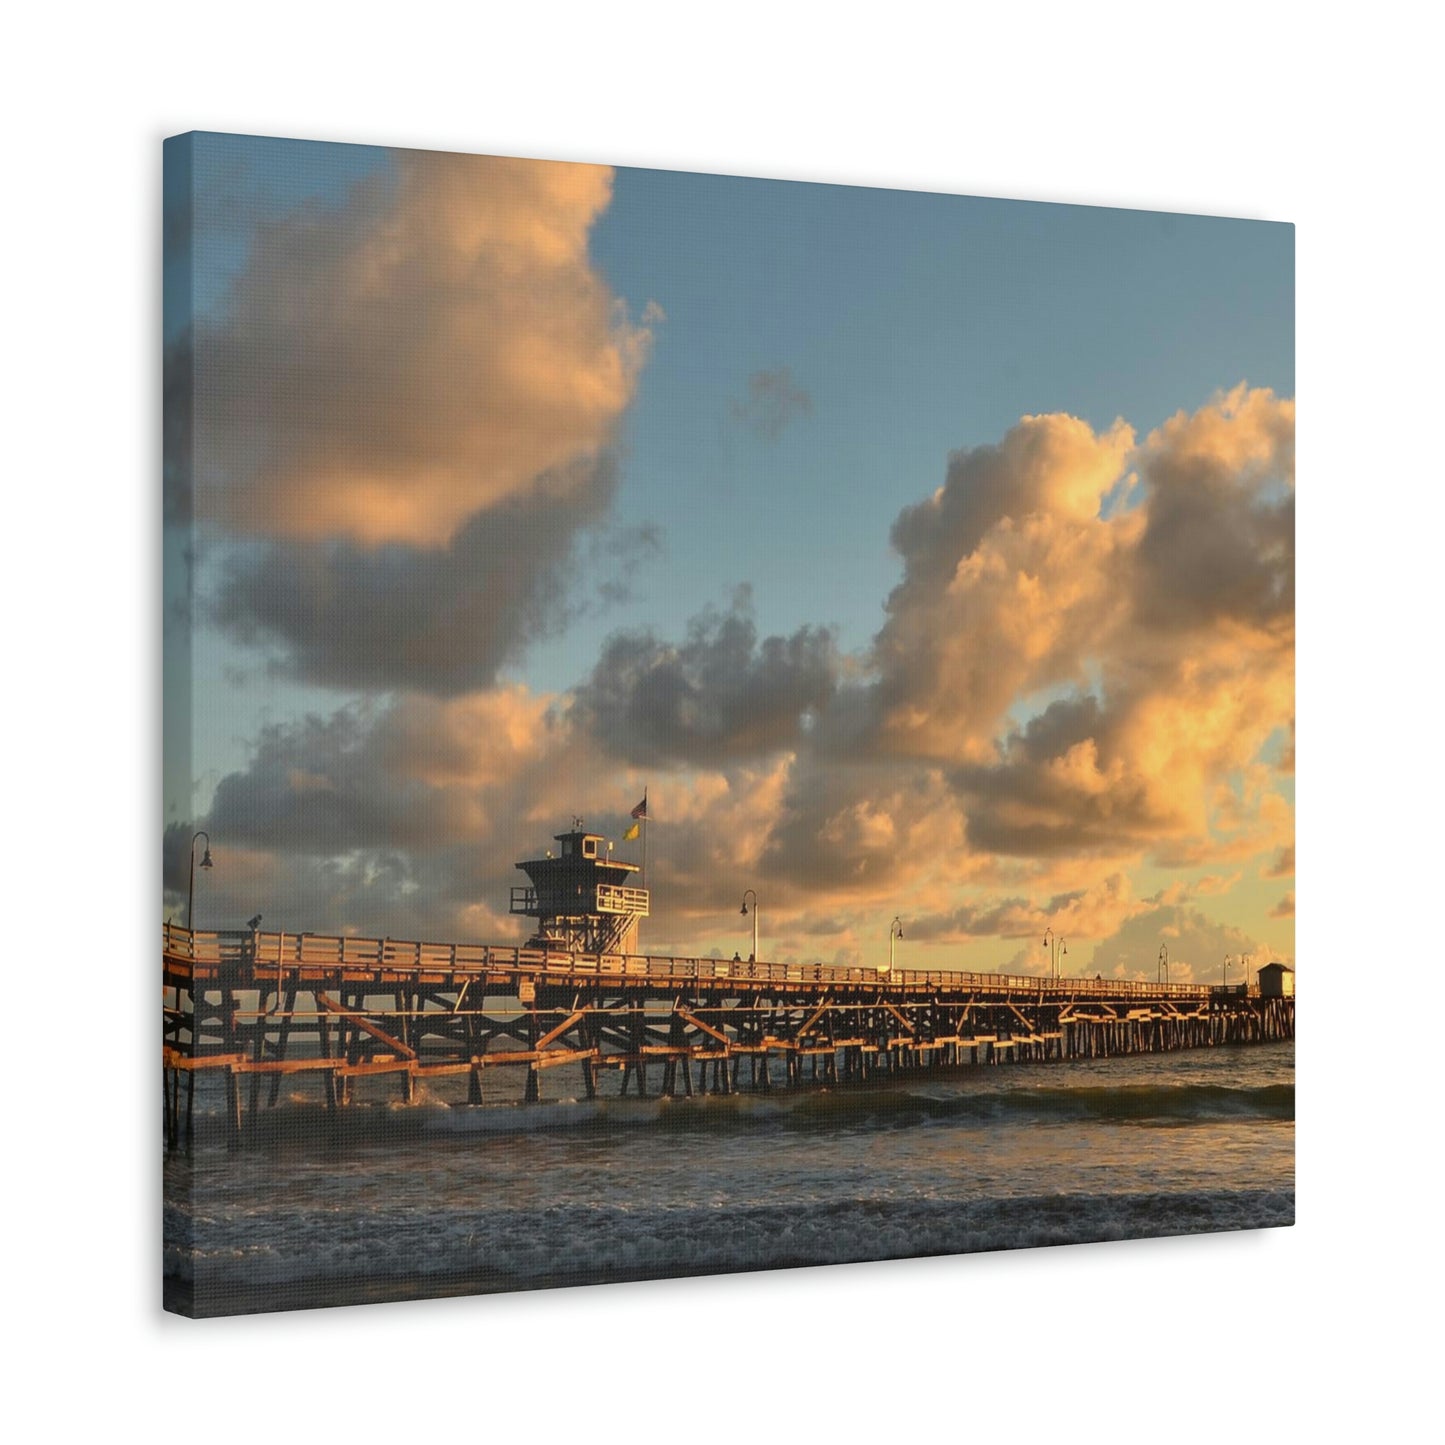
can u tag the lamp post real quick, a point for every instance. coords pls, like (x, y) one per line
(746, 895)
(1244, 969)
(895, 932)
(1060, 948)
(205, 863)
(1163, 965)
(1228, 959)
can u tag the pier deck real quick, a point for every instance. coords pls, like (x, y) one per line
(262, 1006)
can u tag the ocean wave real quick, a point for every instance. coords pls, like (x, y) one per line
(812, 1110)
(850, 1108)
(394, 1255)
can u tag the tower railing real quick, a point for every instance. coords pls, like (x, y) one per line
(613, 898)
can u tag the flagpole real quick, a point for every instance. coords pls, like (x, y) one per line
(644, 837)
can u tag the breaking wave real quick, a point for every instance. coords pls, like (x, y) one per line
(488, 1250)
(807, 1110)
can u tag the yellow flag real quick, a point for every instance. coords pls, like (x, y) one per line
(632, 832)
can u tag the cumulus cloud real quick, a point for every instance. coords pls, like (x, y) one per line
(1285, 907)
(430, 800)
(861, 832)
(1219, 544)
(1024, 574)
(371, 892)
(1056, 792)
(1011, 580)
(404, 411)
(773, 402)
(1282, 864)
(424, 805)
(1033, 723)
(718, 694)
(1197, 944)
(441, 620)
(1136, 767)
(1020, 579)
(1088, 912)
(385, 369)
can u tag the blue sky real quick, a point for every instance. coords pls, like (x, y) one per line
(917, 324)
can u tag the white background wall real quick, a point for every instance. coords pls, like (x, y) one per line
(1234, 108)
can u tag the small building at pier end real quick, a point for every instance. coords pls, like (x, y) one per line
(583, 901)
(1276, 980)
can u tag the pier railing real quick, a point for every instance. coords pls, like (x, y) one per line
(240, 948)
(355, 1011)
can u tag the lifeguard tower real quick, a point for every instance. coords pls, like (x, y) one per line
(583, 901)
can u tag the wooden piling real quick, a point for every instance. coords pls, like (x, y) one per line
(376, 1002)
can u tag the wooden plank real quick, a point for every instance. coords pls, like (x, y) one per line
(554, 1057)
(697, 1023)
(906, 1022)
(365, 1024)
(561, 1029)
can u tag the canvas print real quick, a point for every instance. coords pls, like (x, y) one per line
(712, 724)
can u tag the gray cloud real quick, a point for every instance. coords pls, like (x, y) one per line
(719, 694)
(377, 815)
(325, 785)
(178, 434)
(440, 621)
(1028, 805)
(1197, 947)
(377, 891)
(1219, 543)
(1006, 918)
(873, 834)
(773, 402)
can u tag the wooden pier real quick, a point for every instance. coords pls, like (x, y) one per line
(260, 1007)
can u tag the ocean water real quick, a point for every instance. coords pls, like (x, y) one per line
(434, 1198)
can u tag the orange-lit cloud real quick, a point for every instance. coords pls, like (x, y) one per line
(1197, 945)
(1061, 694)
(1282, 864)
(1190, 669)
(1010, 577)
(405, 411)
(384, 370)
